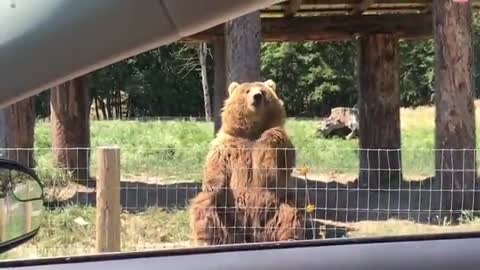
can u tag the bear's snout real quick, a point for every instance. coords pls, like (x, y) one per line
(257, 98)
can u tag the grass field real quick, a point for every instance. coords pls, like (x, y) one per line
(175, 150)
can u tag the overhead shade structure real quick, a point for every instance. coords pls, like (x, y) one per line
(45, 43)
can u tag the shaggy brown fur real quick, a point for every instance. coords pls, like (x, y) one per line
(243, 171)
(268, 219)
(273, 159)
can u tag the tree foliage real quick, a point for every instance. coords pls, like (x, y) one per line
(160, 82)
(312, 76)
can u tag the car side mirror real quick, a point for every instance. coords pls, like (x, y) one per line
(21, 204)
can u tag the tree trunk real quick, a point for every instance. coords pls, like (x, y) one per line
(127, 111)
(97, 112)
(20, 122)
(220, 82)
(237, 54)
(3, 133)
(131, 107)
(454, 114)
(71, 127)
(103, 109)
(118, 104)
(202, 55)
(109, 109)
(242, 43)
(379, 111)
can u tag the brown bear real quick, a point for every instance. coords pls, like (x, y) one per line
(247, 169)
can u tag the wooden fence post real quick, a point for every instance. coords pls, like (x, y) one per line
(108, 200)
(27, 210)
(3, 221)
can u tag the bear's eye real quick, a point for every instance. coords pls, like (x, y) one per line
(248, 91)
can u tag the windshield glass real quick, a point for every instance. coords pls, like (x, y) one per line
(304, 120)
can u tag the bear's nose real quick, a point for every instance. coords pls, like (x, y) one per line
(257, 98)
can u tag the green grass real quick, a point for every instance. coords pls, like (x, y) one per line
(167, 149)
(71, 231)
(62, 235)
(175, 150)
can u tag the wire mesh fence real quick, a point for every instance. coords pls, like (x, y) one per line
(328, 193)
(172, 119)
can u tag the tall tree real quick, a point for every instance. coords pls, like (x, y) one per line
(220, 81)
(17, 123)
(379, 110)
(70, 111)
(242, 44)
(455, 164)
(202, 56)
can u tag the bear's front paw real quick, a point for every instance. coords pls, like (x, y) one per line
(211, 187)
(274, 136)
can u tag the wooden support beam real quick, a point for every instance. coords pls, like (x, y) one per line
(406, 26)
(242, 46)
(455, 165)
(389, 2)
(290, 8)
(361, 7)
(379, 111)
(220, 81)
(236, 57)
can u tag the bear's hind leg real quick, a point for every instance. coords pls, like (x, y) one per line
(215, 220)
(286, 225)
(206, 225)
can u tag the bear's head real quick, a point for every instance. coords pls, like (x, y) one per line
(251, 108)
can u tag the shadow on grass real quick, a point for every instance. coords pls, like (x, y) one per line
(137, 196)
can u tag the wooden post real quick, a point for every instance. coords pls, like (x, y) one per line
(379, 110)
(3, 133)
(220, 82)
(3, 220)
(108, 200)
(70, 111)
(20, 123)
(242, 44)
(27, 213)
(455, 113)
(237, 58)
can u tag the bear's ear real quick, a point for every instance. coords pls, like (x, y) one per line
(271, 84)
(232, 87)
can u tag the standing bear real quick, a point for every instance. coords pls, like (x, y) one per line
(244, 196)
